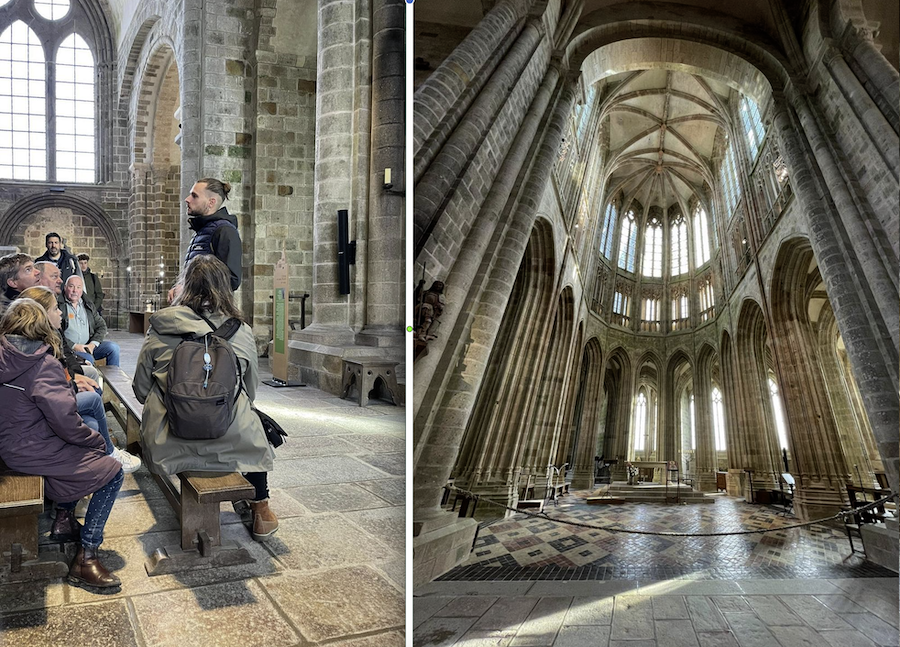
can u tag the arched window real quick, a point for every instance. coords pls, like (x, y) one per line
(609, 227)
(23, 106)
(627, 242)
(778, 410)
(652, 265)
(728, 179)
(680, 311)
(640, 422)
(48, 94)
(679, 263)
(707, 300)
(621, 303)
(753, 127)
(650, 316)
(701, 236)
(693, 425)
(718, 419)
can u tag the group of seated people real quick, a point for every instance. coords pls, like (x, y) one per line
(54, 424)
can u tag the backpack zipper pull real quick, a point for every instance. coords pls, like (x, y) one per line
(207, 362)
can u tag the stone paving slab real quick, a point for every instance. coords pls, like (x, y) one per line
(232, 613)
(344, 497)
(322, 541)
(22, 596)
(322, 470)
(106, 624)
(387, 523)
(385, 639)
(393, 491)
(337, 602)
(393, 464)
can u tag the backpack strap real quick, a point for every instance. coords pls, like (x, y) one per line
(227, 330)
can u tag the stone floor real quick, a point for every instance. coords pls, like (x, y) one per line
(334, 573)
(533, 582)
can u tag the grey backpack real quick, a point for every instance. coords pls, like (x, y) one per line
(203, 384)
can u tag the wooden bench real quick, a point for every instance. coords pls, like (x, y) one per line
(196, 502)
(21, 503)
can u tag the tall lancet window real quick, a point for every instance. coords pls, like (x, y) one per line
(778, 411)
(728, 179)
(718, 419)
(627, 242)
(609, 227)
(701, 236)
(753, 126)
(640, 422)
(75, 111)
(652, 265)
(679, 246)
(23, 105)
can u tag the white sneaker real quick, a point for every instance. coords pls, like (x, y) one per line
(130, 462)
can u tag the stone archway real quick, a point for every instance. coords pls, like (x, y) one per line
(587, 422)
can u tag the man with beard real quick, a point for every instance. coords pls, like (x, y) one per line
(17, 273)
(215, 230)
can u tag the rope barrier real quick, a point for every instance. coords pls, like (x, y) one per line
(543, 515)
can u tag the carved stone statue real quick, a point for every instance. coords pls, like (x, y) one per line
(428, 309)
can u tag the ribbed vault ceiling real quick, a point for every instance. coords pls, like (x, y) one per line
(662, 129)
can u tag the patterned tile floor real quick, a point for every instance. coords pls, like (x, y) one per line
(535, 548)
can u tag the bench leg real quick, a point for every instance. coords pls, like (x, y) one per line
(196, 518)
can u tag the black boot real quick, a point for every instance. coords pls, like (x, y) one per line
(65, 527)
(87, 571)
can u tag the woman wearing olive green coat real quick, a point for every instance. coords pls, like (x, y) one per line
(243, 448)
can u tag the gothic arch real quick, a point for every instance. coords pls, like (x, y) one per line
(12, 220)
(587, 416)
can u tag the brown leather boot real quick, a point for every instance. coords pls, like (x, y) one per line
(87, 571)
(65, 526)
(265, 523)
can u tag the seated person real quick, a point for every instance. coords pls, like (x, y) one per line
(39, 406)
(86, 329)
(17, 273)
(87, 391)
(205, 303)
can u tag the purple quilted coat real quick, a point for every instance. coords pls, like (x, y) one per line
(40, 430)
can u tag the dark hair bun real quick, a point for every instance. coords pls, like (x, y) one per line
(226, 187)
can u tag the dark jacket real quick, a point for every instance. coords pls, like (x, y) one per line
(93, 290)
(67, 264)
(243, 448)
(218, 235)
(8, 295)
(41, 432)
(96, 323)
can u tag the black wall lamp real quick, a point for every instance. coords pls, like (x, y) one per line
(346, 252)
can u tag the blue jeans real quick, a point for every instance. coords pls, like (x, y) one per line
(107, 349)
(90, 406)
(98, 511)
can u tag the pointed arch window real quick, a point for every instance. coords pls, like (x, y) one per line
(701, 236)
(707, 300)
(718, 419)
(75, 149)
(640, 422)
(627, 242)
(48, 92)
(679, 246)
(23, 105)
(621, 303)
(728, 179)
(693, 425)
(609, 227)
(778, 412)
(680, 311)
(652, 263)
(650, 315)
(753, 127)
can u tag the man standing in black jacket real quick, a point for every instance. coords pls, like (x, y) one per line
(64, 259)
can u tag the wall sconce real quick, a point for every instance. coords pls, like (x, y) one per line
(388, 185)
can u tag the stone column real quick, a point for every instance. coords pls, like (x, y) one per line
(385, 275)
(880, 132)
(437, 182)
(443, 431)
(442, 100)
(705, 458)
(457, 286)
(882, 79)
(873, 360)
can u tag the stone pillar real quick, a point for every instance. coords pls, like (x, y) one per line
(385, 275)
(880, 132)
(443, 431)
(876, 260)
(438, 181)
(705, 458)
(882, 80)
(442, 100)
(457, 286)
(874, 362)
